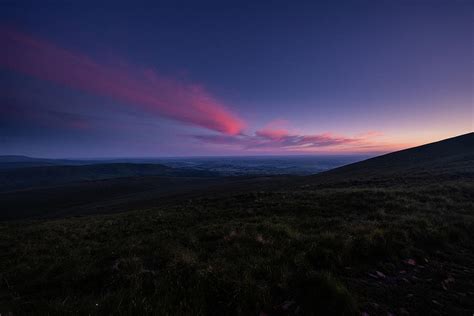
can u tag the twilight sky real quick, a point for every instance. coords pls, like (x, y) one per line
(233, 77)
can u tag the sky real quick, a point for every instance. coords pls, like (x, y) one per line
(177, 78)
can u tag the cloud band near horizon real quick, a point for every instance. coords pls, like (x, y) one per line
(285, 141)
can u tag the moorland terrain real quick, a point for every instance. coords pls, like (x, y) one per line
(389, 235)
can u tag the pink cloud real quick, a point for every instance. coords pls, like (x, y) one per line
(274, 134)
(143, 89)
(275, 130)
(371, 134)
(269, 140)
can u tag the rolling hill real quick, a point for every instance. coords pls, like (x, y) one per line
(18, 161)
(21, 178)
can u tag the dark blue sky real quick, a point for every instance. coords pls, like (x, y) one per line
(232, 77)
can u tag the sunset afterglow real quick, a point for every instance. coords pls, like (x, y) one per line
(330, 87)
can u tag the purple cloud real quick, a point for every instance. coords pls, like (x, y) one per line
(282, 140)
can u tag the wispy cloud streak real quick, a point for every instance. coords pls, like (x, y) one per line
(282, 140)
(145, 90)
(11, 112)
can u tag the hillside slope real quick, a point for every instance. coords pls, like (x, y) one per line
(450, 158)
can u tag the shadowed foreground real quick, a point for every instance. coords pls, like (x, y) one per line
(399, 244)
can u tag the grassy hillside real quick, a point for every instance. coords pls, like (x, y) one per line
(448, 159)
(399, 244)
(121, 194)
(20, 178)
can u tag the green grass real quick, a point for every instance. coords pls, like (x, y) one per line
(305, 251)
